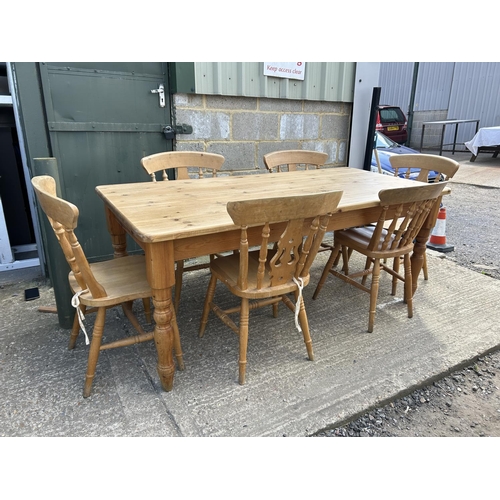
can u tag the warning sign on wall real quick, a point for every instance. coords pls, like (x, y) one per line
(293, 70)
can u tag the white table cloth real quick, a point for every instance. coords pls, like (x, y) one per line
(486, 136)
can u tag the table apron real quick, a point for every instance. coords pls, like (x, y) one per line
(196, 246)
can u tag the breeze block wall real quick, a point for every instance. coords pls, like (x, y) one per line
(243, 129)
(432, 136)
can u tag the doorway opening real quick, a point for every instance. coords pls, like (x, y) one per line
(18, 247)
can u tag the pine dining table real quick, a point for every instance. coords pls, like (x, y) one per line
(182, 219)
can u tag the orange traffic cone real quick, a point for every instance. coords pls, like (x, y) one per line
(437, 241)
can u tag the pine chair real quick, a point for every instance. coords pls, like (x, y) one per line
(446, 168)
(294, 159)
(291, 160)
(186, 164)
(97, 286)
(268, 275)
(426, 164)
(378, 242)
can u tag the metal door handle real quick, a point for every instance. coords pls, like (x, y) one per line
(161, 92)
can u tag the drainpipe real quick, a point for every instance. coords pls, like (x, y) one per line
(412, 102)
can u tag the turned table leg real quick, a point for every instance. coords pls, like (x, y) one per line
(417, 258)
(118, 235)
(160, 268)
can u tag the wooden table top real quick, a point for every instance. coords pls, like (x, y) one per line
(171, 210)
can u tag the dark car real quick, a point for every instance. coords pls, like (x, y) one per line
(391, 121)
(386, 147)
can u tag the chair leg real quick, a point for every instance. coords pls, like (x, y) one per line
(95, 346)
(374, 294)
(424, 267)
(179, 270)
(337, 259)
(346, 255)
(206, 307)
(147, 309)
(368, 264)
(395, 268)
(244, 313)
(326, 270)
(275, 310)
(304, 324)
(408, 295)
(127, 311)
(76, 328)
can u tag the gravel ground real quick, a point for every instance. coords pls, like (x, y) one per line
(467, 402)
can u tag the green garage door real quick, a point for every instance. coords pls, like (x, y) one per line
(102, 118)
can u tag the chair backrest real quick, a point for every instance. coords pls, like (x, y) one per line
(289, 160)
(184, 163)
(426, 164)
(406, 222)
(293, 254)
(63, 217)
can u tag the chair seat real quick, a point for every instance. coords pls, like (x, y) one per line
(123, 279)
(227, 270)
(359, 238)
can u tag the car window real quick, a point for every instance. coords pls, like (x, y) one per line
(391, 115)
(384, 142)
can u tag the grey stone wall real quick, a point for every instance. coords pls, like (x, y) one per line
(243, 129)
(432, 136)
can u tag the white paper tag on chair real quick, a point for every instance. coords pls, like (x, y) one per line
(75, 302)
(300, 285)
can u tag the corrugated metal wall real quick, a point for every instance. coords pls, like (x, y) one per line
(466, 90)
(433, 85)
(395, 84)
(476, 92)
(323, 81)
